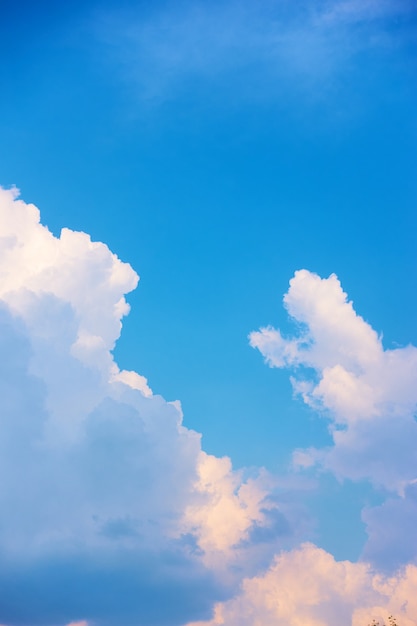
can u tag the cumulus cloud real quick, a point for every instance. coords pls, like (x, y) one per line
(367, 393)
(308, 587)
(109, 509)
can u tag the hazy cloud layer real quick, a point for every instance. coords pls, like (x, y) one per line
(258, 47)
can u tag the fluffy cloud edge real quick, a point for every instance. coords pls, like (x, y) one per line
(308, 587)
(111, 473)
(341, 369)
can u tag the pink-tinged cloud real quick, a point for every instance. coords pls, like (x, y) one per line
(308, 587)
(109, 507)
(107, 500)
(368, 393)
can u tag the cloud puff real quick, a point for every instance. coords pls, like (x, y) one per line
(341, 368)
(307, 587)
(367, 394)
(110, 512)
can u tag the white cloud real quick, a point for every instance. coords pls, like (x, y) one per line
(100, 480)
(231, 508)
(110, 511)
(227, 511)
(307, 587)
(341, 368)
(369, 397)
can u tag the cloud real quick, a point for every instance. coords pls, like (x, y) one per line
(260, 50)
(367, 393)
(228, 509)
(391, 529)
(357, 11)
(110, 511)
(308, 587)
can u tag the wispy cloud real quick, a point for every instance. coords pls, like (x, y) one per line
(260, 49)
(357, 11)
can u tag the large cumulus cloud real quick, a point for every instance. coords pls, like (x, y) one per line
(109, 509)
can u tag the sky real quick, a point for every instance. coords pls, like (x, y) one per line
(207, 313)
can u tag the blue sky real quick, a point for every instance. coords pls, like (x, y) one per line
(218, 148)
